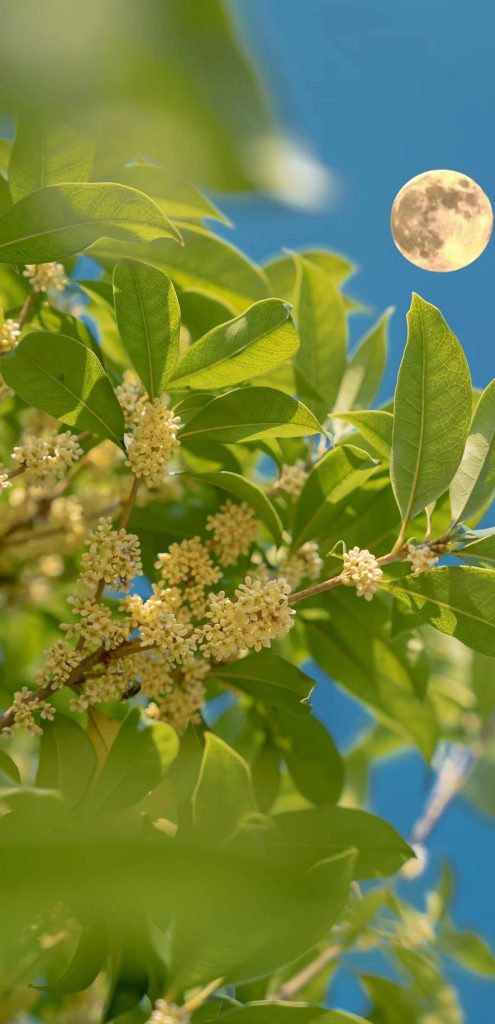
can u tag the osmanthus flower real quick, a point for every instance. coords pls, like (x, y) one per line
(153, 441)
(188, 561)
(46, 277)
(131, 397)
(421, 557)
(4, 479)
(303, 564)
(113, 556)
(293, 478)
(10, 332)
(97, 624)
(181, 704)
(46, 458)
(159, 626)
(234, 529)
(259, 614)
(362, 571)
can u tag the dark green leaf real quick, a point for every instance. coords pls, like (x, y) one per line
(67, 758)
(457, 600)
(311, 756)
(223, 797)
(63, 377)
(148, 318)
(270, 679)
(8, 767)
(329, 485)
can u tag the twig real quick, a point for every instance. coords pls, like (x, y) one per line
(291, 987)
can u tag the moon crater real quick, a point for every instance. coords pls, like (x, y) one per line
(441, 220)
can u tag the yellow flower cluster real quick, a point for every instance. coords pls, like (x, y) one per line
(113, 556)
(10, 332)
(131, 397)
(234, 530)
(293, 478)
(362, 571)
(153, 442)
(4, 479)
(45, 459)
(188, 561)
(159, 626)
(97, 624)
(182, 702)
(303, 564)
(46, 277)
(421, 557)
(259, 614)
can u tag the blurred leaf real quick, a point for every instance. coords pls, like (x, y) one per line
(64, 378)
(48, 153)
(265, 774)
(301, 837)
(148, 318)
(246, 414)
(205, 263)
(285, 1013)
(480, 551)
(223, 796)
(88, 960)
(270, 679)
(311, 756)
(136, 763)
(365, 368)
(175, 196)
(375, 426)
(474, 483)
(322, 327)
(251, 344)
(67, 758)
(329, 484)
(249, 492)
(60, 220)
(467, 949)
(432, 410)
(8, 768)
(457, 600)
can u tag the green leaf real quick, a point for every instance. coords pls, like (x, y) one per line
(251, 344)
(432, 410)
(354, 647)
(233, 483)
(61, 220)
(268, 678)
(457, 600)
(282, 271)
(206, 263)
(48, 153)
(9, 768)
(322, 327)
(467, 949)
(311, 756)
(284, 1013)
(67, 758)
(303, 837)
(148, 318)
(365, 368)
(330, 483)
(473, 486)
(247, 414)
(223, 797)
(375, 426)
(178, 199)
(87, 962)
(480, 551)
(64, 378)
(136, 763)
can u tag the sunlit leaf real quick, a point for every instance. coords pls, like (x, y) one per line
(148, 318)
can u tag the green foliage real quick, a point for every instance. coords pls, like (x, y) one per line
(177, 823)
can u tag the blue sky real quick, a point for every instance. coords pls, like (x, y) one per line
(382, 90)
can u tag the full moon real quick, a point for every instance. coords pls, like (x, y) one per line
(441, 220)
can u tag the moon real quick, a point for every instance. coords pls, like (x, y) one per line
(441, 220)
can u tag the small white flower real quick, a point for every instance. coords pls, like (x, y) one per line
(46, 277)
(421, 557)
(362, 571)
(10, 332)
